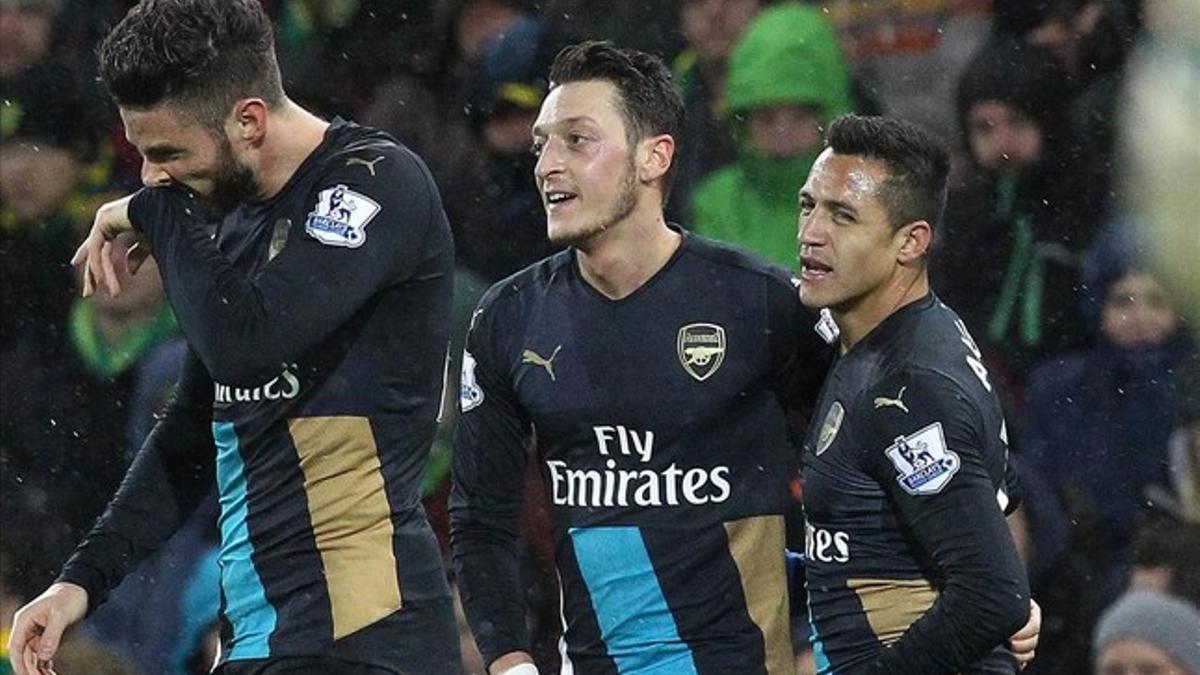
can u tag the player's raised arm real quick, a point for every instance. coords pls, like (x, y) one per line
(930, 456)
(490, 449)
(357, 232)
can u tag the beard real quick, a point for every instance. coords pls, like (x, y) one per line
(233, 183)
(621, 208)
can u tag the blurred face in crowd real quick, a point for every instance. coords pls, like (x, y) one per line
(26, 34)
(507, 133)
(177, 149)
(479, 22)
(36, 178)
(1136, 657)
(585, 170)
(1138, 312)
(1063, 33)
(785, 129)
(1002, 137)
(712, 27)
(848, 247)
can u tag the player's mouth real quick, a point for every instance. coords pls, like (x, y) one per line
(813, 270)
(555, 199)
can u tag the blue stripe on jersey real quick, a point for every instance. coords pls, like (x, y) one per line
(251, 617)
(635, 622)
(824, 667)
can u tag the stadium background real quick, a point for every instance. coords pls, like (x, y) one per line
(1075, 265)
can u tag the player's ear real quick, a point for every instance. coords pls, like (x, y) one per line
(655, 156)
(249, 121)
(914, 239)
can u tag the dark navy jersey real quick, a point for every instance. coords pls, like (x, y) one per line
(657, 425)
(910, 567)
(317, 322)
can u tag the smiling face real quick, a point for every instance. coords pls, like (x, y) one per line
(178, 150)
(848, 247)
(585, 170)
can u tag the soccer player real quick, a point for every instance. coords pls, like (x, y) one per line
(910, 567)
(645, 367)
(315, 307)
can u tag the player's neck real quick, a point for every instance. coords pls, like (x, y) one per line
(623, 258)
(294, 135)
(856, 322)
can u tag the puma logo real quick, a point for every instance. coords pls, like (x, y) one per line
(370, 164)
(883, 401)
(532, 357)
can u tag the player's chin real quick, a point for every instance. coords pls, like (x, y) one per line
(568, 233)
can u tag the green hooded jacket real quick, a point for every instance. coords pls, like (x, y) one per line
(788, 54)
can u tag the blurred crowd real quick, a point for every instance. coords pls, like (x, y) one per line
(1039, 253)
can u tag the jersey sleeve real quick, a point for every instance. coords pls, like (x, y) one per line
(927, 447)
(357, 232)
(490, 453)
(170, 475)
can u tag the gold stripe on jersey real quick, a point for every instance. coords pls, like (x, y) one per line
(764, 583)
(351, 518)
(892, 605)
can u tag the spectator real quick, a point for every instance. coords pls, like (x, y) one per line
(786, 83)
(498, 218)
(907, 56)
(1147, 632)
(710, 28)
(46, 145)
(1007, 257)
(64, 418)
(28, 30)
(429, 107)
(1096, 423)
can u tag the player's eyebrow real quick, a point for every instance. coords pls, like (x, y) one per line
(542, 130)
(831, 203)
(160, 151)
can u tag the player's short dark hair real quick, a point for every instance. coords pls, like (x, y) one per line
(203, 55)
(918, 165)
(649, 102)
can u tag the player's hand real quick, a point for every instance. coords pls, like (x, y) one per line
(38, 627)
(95, 256)
(513, 663)
(1025, 641)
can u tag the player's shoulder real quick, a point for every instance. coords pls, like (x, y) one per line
(366, 155)
(727, 259)
(521, 288)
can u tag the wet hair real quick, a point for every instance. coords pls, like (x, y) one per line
(918, 165)
(649, 102)
(201, 55)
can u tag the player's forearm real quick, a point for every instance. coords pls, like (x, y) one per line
(969, 620)
(488, 577)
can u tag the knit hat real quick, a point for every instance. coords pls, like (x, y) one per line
(1161, 620)
(1019, 74)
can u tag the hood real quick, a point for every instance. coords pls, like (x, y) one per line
(788, 54)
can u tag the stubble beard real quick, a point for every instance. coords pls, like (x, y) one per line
(233, 183)
(625, 203)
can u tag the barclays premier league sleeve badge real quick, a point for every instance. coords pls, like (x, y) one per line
(340, 217)
(923, 462)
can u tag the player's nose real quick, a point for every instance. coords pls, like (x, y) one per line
(550, 161)
(153, 175)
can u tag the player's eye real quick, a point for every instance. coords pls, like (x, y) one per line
(536, 148)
